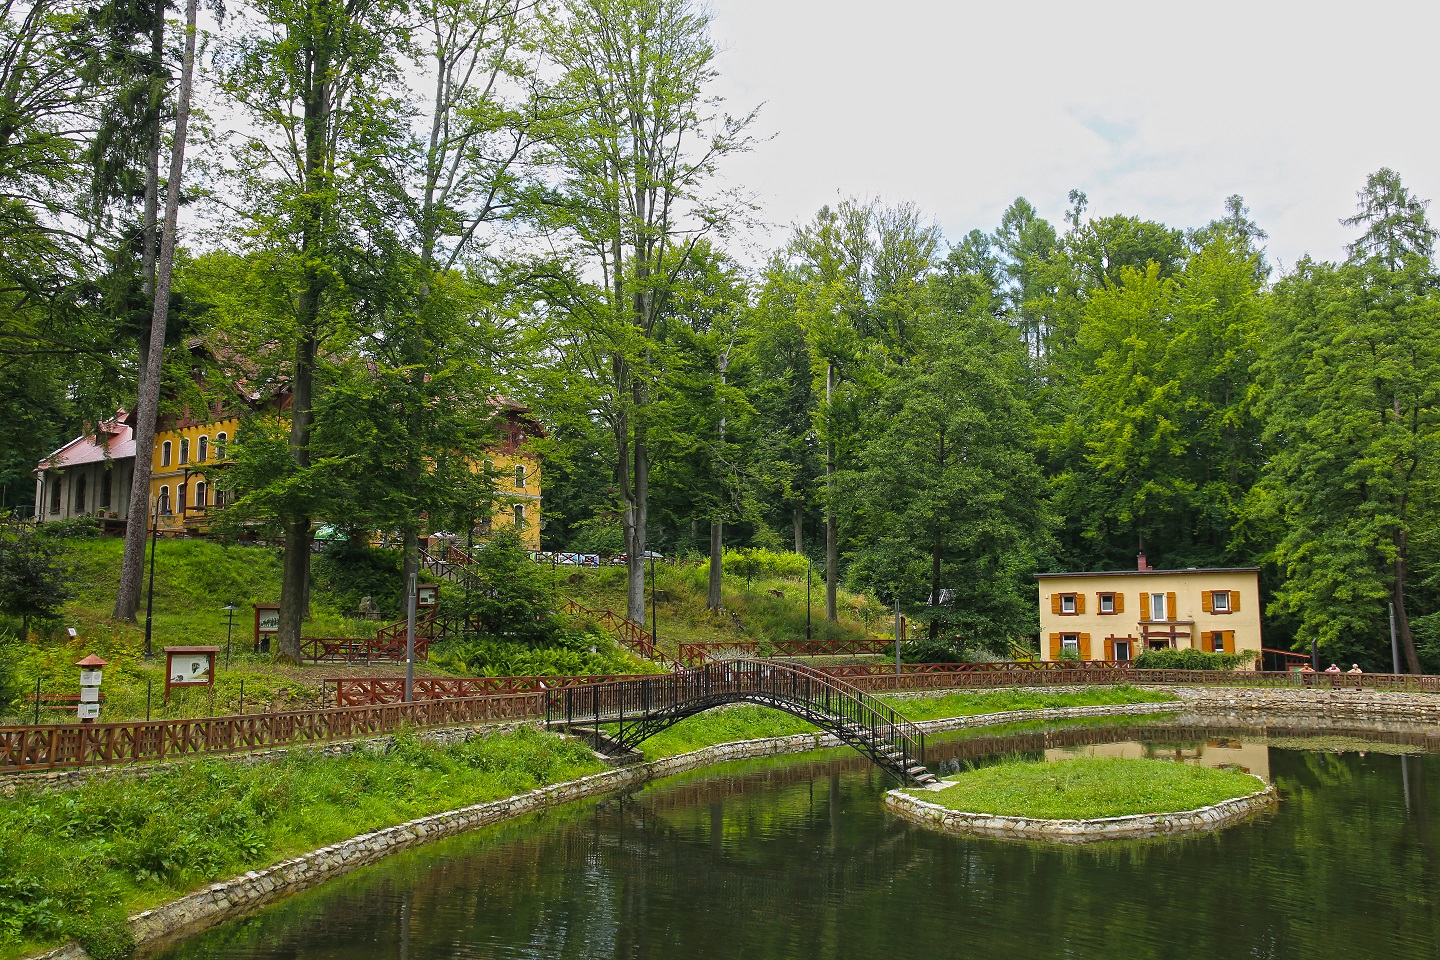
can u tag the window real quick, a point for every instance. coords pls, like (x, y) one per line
(55, 494)
(203, 450)
(105, 490)
(489, 468)
(165, 454)
(1071, 642)
(1122, 650)
(200, 495)
(1157, 607)
(164, 501)
(1217, 641)
(220, 439)
(184, 451)
(1067, 603)
(1107, 603)
(219, 498)
(486, 525)
(520, 477)
(180, 497)
(519, 516)
(1220, 601)
(80, 494)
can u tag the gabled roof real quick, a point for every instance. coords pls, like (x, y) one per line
(113, 440)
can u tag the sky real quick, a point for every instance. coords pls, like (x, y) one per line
(1158, 109)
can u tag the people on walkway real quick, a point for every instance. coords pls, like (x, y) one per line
(1354, 668)
(1333, 668)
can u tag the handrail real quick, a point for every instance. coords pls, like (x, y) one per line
(650, 704)
(631, 635)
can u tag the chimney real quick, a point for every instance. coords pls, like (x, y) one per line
(1140, 562)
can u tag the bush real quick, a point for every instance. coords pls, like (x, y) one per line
(1190, 660)
(772, 564)
(352, 570)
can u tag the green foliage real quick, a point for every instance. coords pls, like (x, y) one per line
(568, 652)
(353, 570)
(516, 602)
(1087, 788)
(971, 703)
(1191, 659)
(34, 578)
(72, 862)
(758, 563)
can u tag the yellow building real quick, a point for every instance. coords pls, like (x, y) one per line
(1116, 615)
(92, 477)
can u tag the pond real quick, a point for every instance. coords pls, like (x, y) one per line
(774, 860)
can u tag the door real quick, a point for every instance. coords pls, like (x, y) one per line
(1122, 650)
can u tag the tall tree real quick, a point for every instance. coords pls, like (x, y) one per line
(316, 80)
(637, 162)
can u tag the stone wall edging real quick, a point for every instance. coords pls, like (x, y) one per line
(1001, 827)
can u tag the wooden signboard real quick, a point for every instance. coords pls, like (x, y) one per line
(189, 667)
(267, 624)
(427, 595)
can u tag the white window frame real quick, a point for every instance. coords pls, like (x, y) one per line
(1107, 603)
(1219, 601)
(1070, 641)
(1068, 603)
(1157, 608)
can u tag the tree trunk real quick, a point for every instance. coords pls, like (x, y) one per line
(127, 600)
(717, 541)
(1402, 618)
(636, 517)
(832, 547)
(935, 590)
(799, 522)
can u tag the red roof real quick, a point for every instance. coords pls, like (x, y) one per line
(114, 440)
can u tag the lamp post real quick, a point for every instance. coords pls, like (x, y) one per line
(809, 575)
(229, 609)
(410, 639)
(150, 591)
(654, 617)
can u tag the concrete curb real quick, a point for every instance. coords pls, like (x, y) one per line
(994, 826)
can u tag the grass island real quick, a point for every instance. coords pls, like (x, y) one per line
(1085, 798)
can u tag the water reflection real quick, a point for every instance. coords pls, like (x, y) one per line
(798, 860)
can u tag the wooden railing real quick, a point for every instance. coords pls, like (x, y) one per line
(77, 745)
(631, 635)
(364, 691)
(697, 653)
(389, 643)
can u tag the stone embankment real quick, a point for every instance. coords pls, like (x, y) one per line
(932, 815)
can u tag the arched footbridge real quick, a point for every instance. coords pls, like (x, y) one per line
(637, 709)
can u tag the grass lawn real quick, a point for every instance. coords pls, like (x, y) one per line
(74, 863)
(749, 722)
(1086, 788)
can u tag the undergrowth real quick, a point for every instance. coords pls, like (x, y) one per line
(74, 863)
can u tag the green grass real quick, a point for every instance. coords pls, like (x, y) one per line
(1088, 788)
(751, 722)
(73, 863)
(970, 703)
(752, 610)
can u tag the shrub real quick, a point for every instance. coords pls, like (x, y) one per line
(352, 570)
(1190, 660)
(773, 564)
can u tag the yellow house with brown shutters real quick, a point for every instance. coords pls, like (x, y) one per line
(1116, 615)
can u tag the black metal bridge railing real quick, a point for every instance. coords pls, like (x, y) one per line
(635, 710)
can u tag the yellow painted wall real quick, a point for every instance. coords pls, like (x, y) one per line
(508, 495)
(169, 477)
(1189, 614)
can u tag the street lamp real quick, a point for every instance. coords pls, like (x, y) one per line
(150, 592)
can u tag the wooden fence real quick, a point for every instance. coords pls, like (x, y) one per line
(694, 654)
(364, 691)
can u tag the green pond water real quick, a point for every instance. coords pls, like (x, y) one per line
(797, 859)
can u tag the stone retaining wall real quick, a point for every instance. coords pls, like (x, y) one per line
(946, 820)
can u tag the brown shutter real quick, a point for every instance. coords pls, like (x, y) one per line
(1169, 606)
(1079, 603)
(1234, 601)
(1109, 648)
(1054, 646)
(1144, 606)
(1230, 639)
(1084, 646)
(1205, 601)
(1054, 603)
(1119, 603)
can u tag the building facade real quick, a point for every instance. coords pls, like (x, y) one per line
(1116, 615)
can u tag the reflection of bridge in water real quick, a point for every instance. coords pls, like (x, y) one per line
(635, 710)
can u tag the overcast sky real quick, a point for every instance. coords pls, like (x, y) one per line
(1159, 110)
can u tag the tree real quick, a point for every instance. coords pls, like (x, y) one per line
(1352, 413)
(34, 579)
(636, 159)
(127, 599)
(949, 495)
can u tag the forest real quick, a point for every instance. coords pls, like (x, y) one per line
(399, 210)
